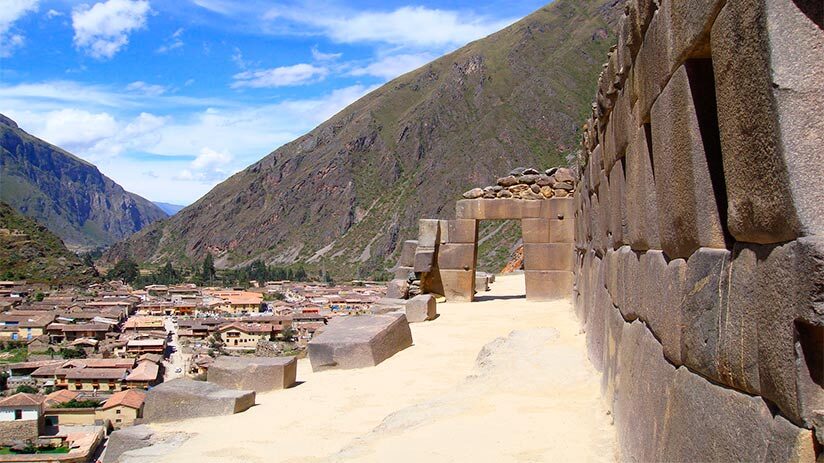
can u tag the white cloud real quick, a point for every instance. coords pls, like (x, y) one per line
(146, 89)
(103, 29)
(298, 74)
(209, 165)
(407, 26)
(51, 14)
(11, 11)
(172, 43)
(320, 56)
(393, 66)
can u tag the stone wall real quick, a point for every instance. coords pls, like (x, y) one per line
(20, 430)
(699, 231)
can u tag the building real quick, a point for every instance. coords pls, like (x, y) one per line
(144, 375)
(24, 327)
(21, 417)
(59, 332)
(144, 323)
(238, 302)
(138, 347)
(122, 408)
(246, 335)
(96, 379)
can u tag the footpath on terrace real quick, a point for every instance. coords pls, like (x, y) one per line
(501, 379)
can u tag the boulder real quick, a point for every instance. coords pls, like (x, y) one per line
(182, 398)
(421, 308)
(508, 181)
(132, 443)
(397, 289)
(259, 374)
(473, 193)
(518, 171)
(359, 341)
(528, 179)
(531, 171)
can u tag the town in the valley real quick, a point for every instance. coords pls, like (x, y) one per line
(76, 362)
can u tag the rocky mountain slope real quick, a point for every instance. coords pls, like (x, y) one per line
(78, 203)
(31, 252)
(345, 195)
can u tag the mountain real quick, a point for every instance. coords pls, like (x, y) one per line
(344, 196)
(169, 209)
(78, 203)
(31, 252)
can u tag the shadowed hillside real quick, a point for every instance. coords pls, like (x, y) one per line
(69, 195)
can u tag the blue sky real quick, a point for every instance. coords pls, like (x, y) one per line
(169, 98)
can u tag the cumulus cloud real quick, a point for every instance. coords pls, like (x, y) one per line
(285, 76)
(11, 11)
(393, 66)
(52, 13)
(103, 29)
(209, 165)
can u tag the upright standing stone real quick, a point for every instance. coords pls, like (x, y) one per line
(685, 146)
(642, 205)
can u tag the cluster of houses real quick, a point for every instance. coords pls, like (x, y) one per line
(93, 352)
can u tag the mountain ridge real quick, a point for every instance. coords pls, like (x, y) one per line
(346, 194)
(81, 205)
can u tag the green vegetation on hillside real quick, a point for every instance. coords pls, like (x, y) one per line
(29, 251)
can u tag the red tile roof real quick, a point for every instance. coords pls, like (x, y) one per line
(131, 398)
(22, 399)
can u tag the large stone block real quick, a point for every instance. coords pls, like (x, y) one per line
(782, 286)
(618, 205)
(469, 209)
(397, 288)
(642, 205)
(685, 148)
(614, 328)
(632, 287)
(712, 423)
(453, 256)
(653, 63)
(181, 399)
(690, 25)
(402, 273)
(459, 231)
(562, 231)
(458, 285)
(259, 374)
(535, 230)
(408, 249)
(643, 395)
(661, 298)
(359, 341)
(706, 296)
(596, 327)
(500, 209)
(558, 208)
(429, 234)
(421, 308)
(547, 285)
(789, 442)
(546, 256)
(769, 84)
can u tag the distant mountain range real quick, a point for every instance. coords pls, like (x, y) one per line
(69, 195)
(29, 251)
(347, 194)
(169, 209)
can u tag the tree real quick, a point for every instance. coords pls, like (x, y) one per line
(126, 270)
(208, 272)
(38, 296)
(68, 353)
(27, 389)
(287, 334)
(167, 275)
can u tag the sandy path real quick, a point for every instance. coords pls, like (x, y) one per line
(534, 397)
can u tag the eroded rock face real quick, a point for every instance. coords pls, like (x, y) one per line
(259, 374)
(181, 399)
(359, 342)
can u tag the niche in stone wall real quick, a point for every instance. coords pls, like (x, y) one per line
(702, 86)
(809, 342)
(813, 9)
